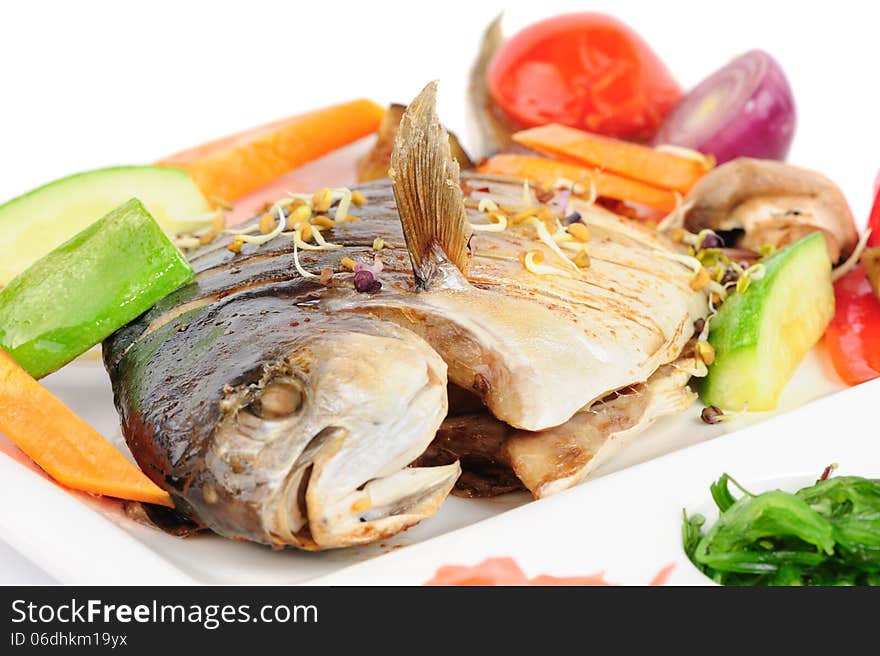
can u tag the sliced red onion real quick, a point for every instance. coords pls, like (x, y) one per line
(745, 109)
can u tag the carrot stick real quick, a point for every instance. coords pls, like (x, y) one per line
(548, 171)
(234, 166)
(63, 445)
(653, 167)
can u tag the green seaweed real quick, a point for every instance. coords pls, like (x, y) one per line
(824, 534)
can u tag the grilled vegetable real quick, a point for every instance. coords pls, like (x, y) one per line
(547, 172)
(585, 70)
(825, 534)
(745, 109)
(771, 203)
(88, 287)
(34, 224)
(657, 168)
(234, 166)
(761, 334)
(63, 445)
(853, 336)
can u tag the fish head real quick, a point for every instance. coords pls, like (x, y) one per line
(316, 453)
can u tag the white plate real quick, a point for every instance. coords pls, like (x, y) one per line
(628, 524)
(77, 538)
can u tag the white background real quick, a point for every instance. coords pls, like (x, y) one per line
(90, 84)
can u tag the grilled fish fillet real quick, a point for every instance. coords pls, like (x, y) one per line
(279, 409)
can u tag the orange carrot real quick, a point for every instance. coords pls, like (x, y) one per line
(547, 171)
(653, 167)
(234, 166)
(63, 445)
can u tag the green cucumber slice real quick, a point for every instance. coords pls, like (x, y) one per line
(761, 336)
(90, 286)
(39, 221)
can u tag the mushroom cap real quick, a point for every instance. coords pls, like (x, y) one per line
(772, 203)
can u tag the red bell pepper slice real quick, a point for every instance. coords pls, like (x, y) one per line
(853, 336)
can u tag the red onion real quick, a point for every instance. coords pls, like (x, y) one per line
(745, 109)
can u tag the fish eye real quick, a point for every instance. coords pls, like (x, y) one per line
(280, 398)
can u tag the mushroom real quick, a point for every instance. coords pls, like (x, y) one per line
(771, 203)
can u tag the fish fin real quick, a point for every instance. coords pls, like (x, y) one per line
(494, 135)
(426, 183)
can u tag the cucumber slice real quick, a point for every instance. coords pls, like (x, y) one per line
(87, 288)
(36, 223)
(761, 336)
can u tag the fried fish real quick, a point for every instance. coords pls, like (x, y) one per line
(283, 398)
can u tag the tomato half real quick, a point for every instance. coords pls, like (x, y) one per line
(585, 70)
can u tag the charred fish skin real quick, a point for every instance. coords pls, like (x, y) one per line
(270, 421)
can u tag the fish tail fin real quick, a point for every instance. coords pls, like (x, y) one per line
(426, 183)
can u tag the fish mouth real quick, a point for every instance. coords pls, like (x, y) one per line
(317, 454)
(382, 507)
(322, 504)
